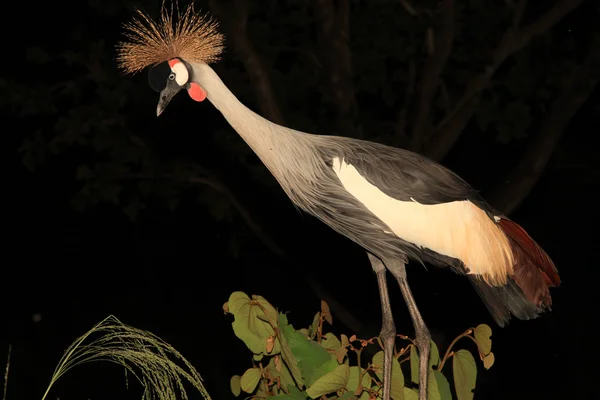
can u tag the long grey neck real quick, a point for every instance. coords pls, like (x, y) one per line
(269, 141)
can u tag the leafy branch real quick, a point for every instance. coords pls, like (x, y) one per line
(309, 363)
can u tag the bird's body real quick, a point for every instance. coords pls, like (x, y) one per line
(396, 204)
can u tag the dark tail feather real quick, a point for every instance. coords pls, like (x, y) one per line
(502, 301)
(527, 293)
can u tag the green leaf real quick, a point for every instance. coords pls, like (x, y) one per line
(345, 341)
(303, 331)
(295, 394)
(397, 391)
(488, 360)
(352, 384)
(250, 380)
(482, 334)
(438, 388)
(235, 385)
(343, 350)
(286, 332)
(284, 375)
(329, 383)
(309, 355)
(331, 342)
(250, 322)
(312, 330)
(347, 396)
(261, 393)
(326, 312)
(414, 365)
(434, 360)
(324, 369)
(434, 356)
(465, 374)
(410, 394)
(437, 385)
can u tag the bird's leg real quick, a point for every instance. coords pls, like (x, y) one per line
(423, 338)
(388, 329)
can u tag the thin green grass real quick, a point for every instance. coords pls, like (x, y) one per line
(154, 363)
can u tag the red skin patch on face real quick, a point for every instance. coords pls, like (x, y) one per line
(196, 92)
(173, 62)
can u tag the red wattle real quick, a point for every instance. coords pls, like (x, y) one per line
(196, 92)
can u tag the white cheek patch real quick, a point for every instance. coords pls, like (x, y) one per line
(181, 73)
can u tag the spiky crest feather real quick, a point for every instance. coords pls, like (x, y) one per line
(190, 35)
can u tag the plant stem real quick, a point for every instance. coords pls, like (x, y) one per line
(448, 354)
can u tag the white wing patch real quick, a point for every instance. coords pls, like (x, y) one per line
(458, 229)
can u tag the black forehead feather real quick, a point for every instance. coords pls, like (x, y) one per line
(158, 75)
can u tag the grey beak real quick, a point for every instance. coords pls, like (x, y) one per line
(165, 97)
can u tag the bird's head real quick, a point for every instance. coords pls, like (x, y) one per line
(170, 47)
(169, 77)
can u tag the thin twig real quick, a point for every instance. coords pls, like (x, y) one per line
(6, 371)
(409, 8)
(448, 354)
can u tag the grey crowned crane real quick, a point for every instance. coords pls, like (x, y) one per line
(396, 204)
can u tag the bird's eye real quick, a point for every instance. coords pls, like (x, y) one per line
(171, 77)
